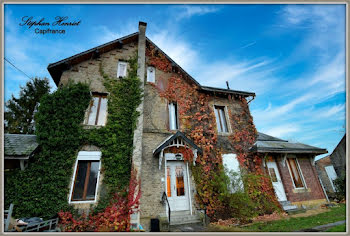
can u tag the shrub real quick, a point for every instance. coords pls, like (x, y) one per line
(340, 186)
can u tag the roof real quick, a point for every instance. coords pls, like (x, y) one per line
(265, 137)
(168, 140)
(266, 143)
(19, 145)
(56, 69)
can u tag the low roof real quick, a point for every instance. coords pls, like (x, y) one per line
(17, 146)
(169, 139)
(56, 69)
(266, 143)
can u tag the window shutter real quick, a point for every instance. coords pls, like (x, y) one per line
(151, 71)
(217, 120)
(122, 66)
(93, 111)
(231, 165)
(103, 112)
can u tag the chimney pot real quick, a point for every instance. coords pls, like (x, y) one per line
(141, 23)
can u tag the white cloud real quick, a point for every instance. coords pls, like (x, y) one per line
(190, 11)
(281, 130)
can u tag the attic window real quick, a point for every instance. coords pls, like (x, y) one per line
(173, 123)
(97, 111)
(122, 67)
(151, 74)
(221, 119)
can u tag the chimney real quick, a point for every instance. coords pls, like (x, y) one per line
(228, 86)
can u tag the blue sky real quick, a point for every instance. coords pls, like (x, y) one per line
(291, 56)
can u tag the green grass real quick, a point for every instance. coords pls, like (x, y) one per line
(338, 228)
(292, 224)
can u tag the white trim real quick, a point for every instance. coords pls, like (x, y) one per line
(301, 173)
(83, 156)
(189, 187)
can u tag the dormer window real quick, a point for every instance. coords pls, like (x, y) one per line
(151, 74)
(173, 123)
(221, 122)
(97, 111)
(122, 67)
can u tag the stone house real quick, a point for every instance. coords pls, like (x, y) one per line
(161, 127)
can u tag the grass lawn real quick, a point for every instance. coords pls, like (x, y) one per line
(338, 228)
(290, 224)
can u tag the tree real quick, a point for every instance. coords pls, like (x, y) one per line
(19, 112)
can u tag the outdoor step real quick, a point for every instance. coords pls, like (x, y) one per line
(180, 213)
(184, 219)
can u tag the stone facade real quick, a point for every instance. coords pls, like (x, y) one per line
(153, 128)
(338, 157)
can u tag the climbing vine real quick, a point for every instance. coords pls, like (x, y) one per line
(42, 189)
(197, 121)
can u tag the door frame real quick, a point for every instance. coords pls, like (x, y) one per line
(278, 176)
(171, 157)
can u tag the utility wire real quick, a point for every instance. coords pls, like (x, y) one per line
(16, 67)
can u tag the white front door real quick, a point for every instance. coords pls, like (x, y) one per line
(276, 181)
(177, 186)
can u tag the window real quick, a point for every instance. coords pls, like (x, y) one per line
(233, 171)
(295, 173)
(180, 184)
(221, 119)
(168, 179)
(86, 176)
(122, 67)
(173, 123)
(97, 111)
(151, 74)
(273, 175)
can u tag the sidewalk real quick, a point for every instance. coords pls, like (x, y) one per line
(321, 228)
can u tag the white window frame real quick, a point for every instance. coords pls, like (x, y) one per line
(149, 73)
(119, 72)
(98, 109)
(86, 156)
(300, 172)
(228, 123)
(176, 114)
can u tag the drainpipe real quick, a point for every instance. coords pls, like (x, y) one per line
(251, 99)
(137, 140)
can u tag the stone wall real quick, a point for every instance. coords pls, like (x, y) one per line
(89, 72)
(338, 157)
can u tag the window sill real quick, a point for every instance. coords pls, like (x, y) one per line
(92, 126)
(301, 190)
(83, 202)
(224, 134)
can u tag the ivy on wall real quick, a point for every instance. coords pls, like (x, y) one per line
(42, 189)
(197, 121)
